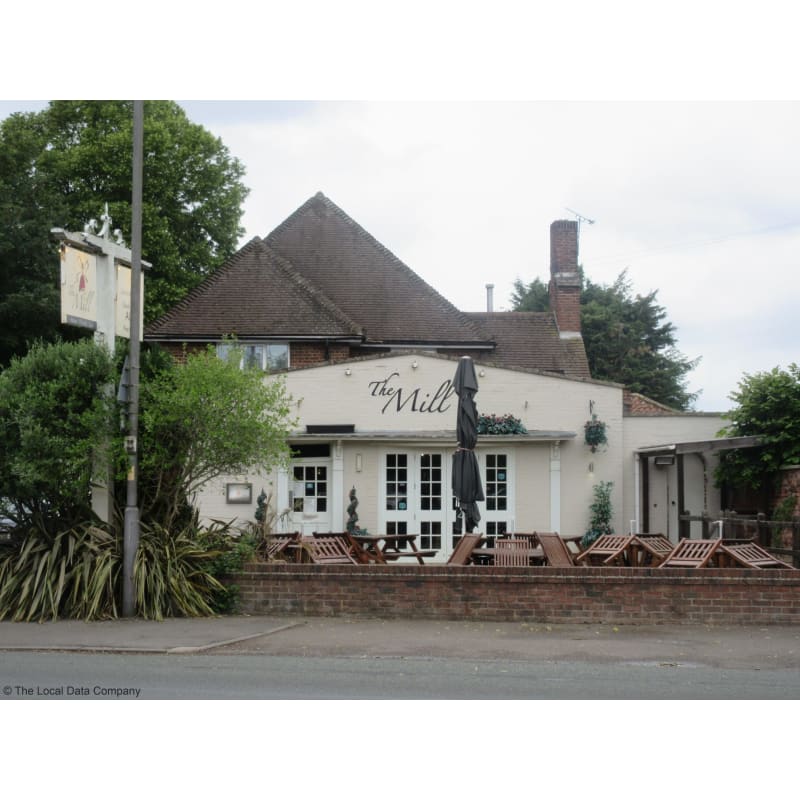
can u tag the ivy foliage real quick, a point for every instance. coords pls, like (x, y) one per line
(767, 405)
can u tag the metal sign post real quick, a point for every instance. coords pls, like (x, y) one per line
(132, 528)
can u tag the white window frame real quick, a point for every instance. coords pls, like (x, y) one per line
(507, 515)
(260, 348)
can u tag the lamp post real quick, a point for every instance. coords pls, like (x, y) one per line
(131, 525)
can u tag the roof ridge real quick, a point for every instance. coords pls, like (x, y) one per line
(439, 299)
(317, 294)
(207, 282)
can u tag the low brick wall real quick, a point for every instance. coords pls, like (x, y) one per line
(531, 594)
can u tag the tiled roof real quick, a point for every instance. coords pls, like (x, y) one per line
(530, 340)
(365, 280)
(637, 405)
(321, 275)
(255, 294)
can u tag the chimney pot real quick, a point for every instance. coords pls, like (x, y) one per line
(490, 297)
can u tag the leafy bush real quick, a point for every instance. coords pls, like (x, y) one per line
(491, 424)
(601, 514)
(55, 418)
(232, 553)
(72, 573)
(76, 573)
(172, 574)
(768, 405)
(198, 420)
(202, 419)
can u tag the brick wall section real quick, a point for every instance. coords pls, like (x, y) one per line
(789, 486)
(310, 354)
(565, 303)
(565, 285)
(179, 351)
(564, 246)
(612, 595)
(637, 405)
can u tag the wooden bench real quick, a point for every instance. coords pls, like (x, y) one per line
(279, 544)
(649, 549)
(420, 555)
(512, 553)
(349, 543)
(694, 553)
(556, 552)
(749, 554)
(327, 550)
(607, 550)
(462, 553)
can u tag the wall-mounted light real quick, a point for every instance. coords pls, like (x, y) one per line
(348, 372)
(359, 463)
(591, 466)
(414, 364)
(482, 373)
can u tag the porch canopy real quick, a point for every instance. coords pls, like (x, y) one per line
(678, 450)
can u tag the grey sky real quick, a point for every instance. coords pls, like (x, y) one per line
(697, 200)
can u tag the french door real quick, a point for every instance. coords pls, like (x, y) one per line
(416, 497)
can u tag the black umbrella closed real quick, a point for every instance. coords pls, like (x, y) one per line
(467, 485)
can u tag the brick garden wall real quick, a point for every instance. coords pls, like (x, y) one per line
(537, 594)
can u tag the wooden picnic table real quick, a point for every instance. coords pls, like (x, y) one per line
(383, 549)
(488, 555)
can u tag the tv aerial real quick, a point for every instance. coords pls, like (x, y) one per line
(580, 217)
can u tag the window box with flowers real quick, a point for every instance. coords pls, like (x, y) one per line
(491, 424)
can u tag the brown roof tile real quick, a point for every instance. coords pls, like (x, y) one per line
(530, 340)
(365, 280)
(255, 294)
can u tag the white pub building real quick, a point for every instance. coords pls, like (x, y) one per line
(368, 351)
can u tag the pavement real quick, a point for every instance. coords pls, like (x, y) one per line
(741, 646)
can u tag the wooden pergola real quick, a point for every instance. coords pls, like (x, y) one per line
(678, 451)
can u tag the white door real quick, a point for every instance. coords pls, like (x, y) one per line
(310, 495)
(415, 498)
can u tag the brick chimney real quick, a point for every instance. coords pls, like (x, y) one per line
(565, 282)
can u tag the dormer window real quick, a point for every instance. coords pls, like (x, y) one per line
(271, 357)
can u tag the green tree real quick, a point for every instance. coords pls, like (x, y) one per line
(767, 405)
(202, 419)
(57, 169)
(627, 338)
(54, 416)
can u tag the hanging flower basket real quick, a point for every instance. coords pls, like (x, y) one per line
(595, 433)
